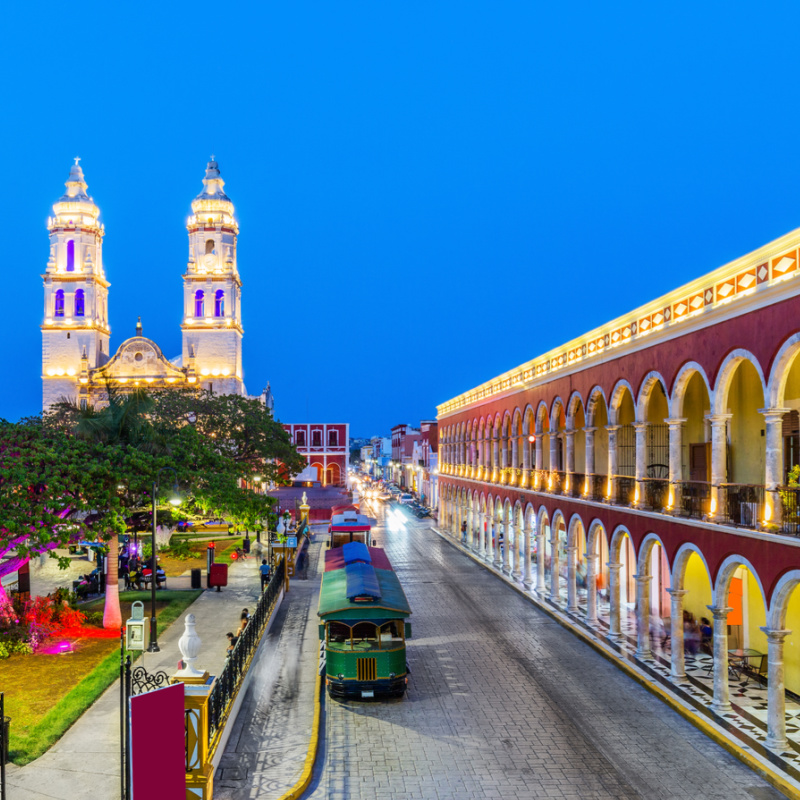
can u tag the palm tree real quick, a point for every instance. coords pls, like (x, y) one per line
(123, 422)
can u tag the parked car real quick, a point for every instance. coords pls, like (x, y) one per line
(405, 499)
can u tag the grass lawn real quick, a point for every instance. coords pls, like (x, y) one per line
(45, 694)
(177, 566)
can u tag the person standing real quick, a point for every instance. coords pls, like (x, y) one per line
(264, 570)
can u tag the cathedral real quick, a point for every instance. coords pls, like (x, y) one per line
(77, 361)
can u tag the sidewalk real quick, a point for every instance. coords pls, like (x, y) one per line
(266, 752)
(84, 764)
(742, 731)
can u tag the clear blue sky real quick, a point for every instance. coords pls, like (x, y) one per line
(428, 193)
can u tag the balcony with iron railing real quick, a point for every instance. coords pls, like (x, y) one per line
(738, 505)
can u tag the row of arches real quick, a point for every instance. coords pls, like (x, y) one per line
(599, 576)
(200, 303)
(741, 431)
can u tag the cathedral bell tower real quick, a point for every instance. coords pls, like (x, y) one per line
(75, 330)
(212, 290)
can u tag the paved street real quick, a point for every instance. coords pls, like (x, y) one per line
(504, 703)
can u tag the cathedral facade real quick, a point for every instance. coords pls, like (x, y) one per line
(77, 362)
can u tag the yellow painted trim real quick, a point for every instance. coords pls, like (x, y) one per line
(747, 758)
(311, 756)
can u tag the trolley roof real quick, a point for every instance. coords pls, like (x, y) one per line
(334, 602)
(335, 558)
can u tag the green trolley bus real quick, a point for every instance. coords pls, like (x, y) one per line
(363, 614)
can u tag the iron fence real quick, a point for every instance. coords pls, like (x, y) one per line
(692, 498)
(556, 482)
(741, 504)
(576, 483)
(624, 490)
(790, 518)
(597, 487)
(225, 688)
(656, 493)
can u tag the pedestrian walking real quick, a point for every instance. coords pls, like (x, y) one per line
(264, 570)
(464, 531)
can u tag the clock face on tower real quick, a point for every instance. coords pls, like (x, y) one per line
(209, 259)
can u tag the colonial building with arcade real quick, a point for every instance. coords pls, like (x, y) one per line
(645, 470)
(77, 361)
(326, 447)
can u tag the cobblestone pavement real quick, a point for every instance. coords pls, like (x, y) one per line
(504, 703)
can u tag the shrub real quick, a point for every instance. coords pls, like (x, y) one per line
(7, 648)
(94, 619)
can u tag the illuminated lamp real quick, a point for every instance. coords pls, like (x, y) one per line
(188, 320)
(60, 371)
(48, 321)
(226, 372)
(208, 320)
(148, 380)
(136, 383)
(215, 372)
(171, 380)
(70, 372)
(84, 380)
(205, 371)
(532, 438)
(228, 322)
(191, 380)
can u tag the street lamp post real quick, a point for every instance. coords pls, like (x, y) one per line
(175, 500)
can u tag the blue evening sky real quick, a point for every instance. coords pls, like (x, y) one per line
(429, 193)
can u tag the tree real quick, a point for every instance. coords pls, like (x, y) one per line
(88, 472)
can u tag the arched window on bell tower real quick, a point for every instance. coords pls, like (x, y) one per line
(59, 311)
(71, 255)
(219, 303)
(79, 303)
(199, 303)
(209, 246)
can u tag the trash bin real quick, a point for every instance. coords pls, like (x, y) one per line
(196, 580)
(6, 733)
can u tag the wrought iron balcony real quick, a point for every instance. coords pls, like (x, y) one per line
(656, 493)
(692, 498)
(624, 490)
(740, 504)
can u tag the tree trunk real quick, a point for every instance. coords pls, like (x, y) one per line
(112, 616)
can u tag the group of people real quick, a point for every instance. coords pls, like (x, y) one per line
(697, 636)
(134, 572)
(234, 637)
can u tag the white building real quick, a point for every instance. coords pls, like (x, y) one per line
(76, 359)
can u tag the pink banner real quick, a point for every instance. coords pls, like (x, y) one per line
(157, 739)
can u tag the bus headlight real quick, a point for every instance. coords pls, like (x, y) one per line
(392, 675)
(340, 676)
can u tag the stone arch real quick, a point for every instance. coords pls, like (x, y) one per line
(648, 384)
(681, 382)
(779, 373)
(617, 395)
(595, 396)
(528, 420)
(542, 415)
(725, 374)
(575, 401)
(645, 550)
(618, 537)
(726, 571)
(681, 559)
(556, 407)
(778, 602)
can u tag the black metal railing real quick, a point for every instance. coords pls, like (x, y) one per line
(556, 482)
(656, 493)
(790, 508)
(597, 487)
(540, 480)
(624, 490)
(230, 678)
(577, 481)
(740, 504)
(692, 498)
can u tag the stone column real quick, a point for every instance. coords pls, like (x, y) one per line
(721, 702)
(541, 584)
(482, 533)
(526, 575)
(496, 458)
(612, 459)
(675, 460)
(589, 438)
(570, 436)
(490, 537)
(643, 616)
(553, 451)
(773, 463)
(641, 462)
(508, 535)
(499, 528)
(677, 662)
(554, 564)
(591, 589)
(572, 583)
(470, 528)
(515, 452)
(539, 455)
(614, 630)
(719, 445)
(776, 691)
(519, 530)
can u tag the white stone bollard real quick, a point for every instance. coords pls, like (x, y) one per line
(189, 645)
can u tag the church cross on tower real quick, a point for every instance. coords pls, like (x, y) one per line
(77, 159)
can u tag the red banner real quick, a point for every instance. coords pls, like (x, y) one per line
(157, 742)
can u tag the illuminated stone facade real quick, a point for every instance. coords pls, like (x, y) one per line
(76, 358)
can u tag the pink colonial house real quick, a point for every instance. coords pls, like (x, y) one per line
(325, 447)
